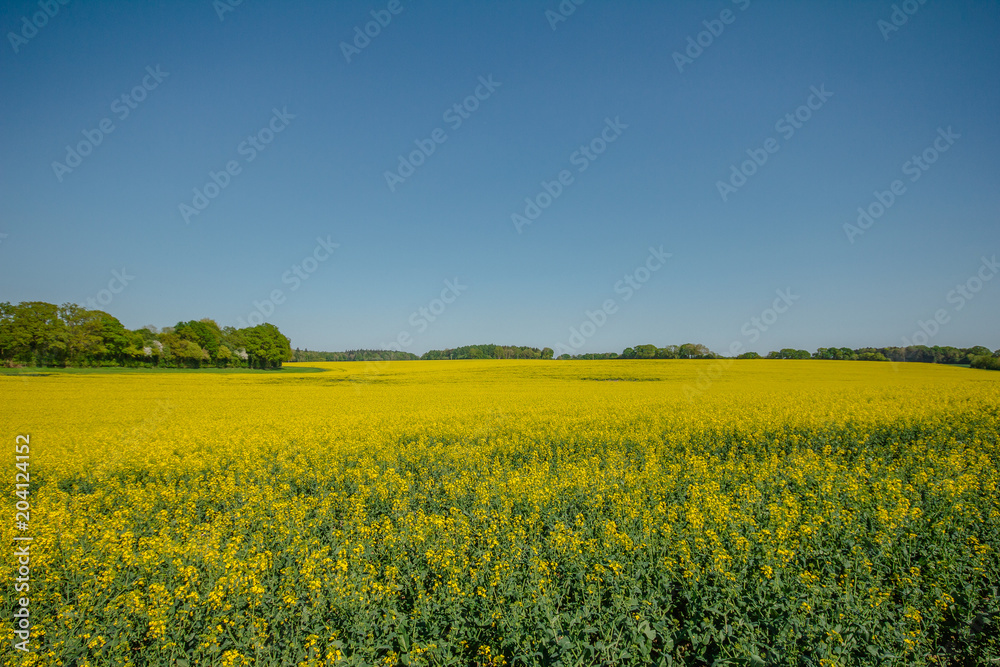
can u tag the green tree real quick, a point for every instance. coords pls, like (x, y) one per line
(190, 354)
(985, 362)
(645, 351)
(114, 336)
(40, 336)
(693, 351)
(266, 346)
(223, 356)
(977, 351)
(205, 332)
(84, 341)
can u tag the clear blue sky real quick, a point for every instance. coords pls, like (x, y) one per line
(679, 130)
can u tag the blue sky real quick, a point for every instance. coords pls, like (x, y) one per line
(200, 81)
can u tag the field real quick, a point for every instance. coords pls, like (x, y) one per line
(492, 513)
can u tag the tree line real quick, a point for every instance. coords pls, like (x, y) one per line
(977, 356)
(353, 355)
(937, 354)
(484, 351)
(36, 333)
(490, 351)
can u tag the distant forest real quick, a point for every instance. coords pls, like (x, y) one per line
(36, 333)
(466, 352)
(978, 356)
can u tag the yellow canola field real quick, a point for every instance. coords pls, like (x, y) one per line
(508, 512)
